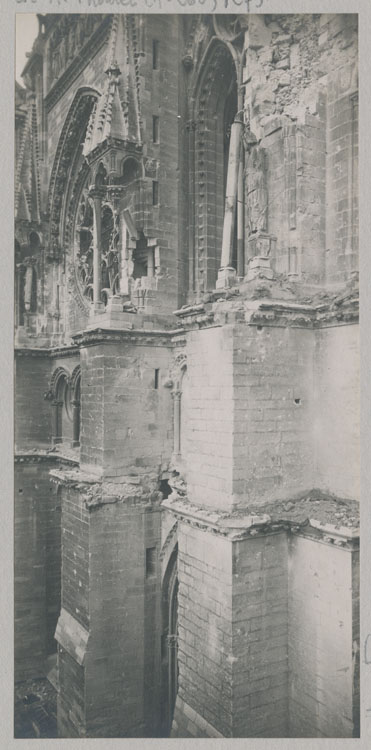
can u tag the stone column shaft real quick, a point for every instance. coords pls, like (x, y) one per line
(97, 271)
(76, 423)
(231, 194)
(56, 421)
(177, 418)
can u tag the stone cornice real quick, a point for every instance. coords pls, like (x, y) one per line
(270, 312)
(239, 526)
(124, 144)
(52, 352)
(96, 490)
(135, 335)
(39, 456)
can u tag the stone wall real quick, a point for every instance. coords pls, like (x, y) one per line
(250, 397)
(336, 412)
(126, 422)
(112, 590)
(301, 99)
(320, 639)
(233, 667)
(37, 574)
(269, 650)
(32, 418)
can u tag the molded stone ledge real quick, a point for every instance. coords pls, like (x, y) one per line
(274, 303)
(91, 337)
(37, 455)
(239, 526)
(95, 490)
(72, 636)
(68, 350)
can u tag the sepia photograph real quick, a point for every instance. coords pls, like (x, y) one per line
(187, 362)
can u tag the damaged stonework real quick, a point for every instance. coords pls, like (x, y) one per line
(72, 637)
(94, 493)
(275, 302)
(336, 520)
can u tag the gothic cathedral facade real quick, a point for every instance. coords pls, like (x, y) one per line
(187, 429)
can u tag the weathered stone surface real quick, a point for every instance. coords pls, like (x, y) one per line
(232, 609)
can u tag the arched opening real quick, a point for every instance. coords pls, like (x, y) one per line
(34, 241)
(69, 180)
(62, 428)
(169, 643)
(101, 176)
(130, 171)
(75, 387)
(215, 110)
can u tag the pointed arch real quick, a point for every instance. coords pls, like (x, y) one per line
(74, 380)
(215, 104)
(58, 375)
(73, 131)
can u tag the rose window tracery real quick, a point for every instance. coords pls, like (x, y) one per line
(84, 245)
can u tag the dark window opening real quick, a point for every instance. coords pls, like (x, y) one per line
(165, 488)
(130, 171)
(155, 54)
(34, 240)
(33, 301)
(155, 128)
(154, 193)
(157, 373)
(140, 258)
(150, 561)
(101, 176)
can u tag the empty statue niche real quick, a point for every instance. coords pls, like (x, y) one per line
(230, 111)
(66, 407)
(101, 176)
(130, 172)
(64, 433)
(215, 108)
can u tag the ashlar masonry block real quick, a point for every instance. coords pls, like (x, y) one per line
(233, 654)
(250, 388)
(108, 630)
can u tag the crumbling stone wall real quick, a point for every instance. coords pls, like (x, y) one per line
(301, 85)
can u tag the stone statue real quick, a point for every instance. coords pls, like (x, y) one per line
(256, 191)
